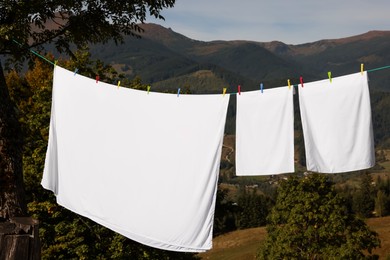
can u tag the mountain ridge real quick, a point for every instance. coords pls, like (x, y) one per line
(162, 55)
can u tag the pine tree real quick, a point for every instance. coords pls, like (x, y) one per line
(310, 221)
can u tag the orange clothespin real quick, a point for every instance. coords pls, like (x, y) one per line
(148, 89)
(330, 76)
(239, 90)
(224, 92)
(301, 80)
(97, 78)
(361, 68)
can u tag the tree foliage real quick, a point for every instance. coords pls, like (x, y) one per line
(66, 22)
(254, 208)
(310, 221)
(363, 199)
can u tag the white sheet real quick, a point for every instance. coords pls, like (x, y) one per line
(337, 127)
(143, 165)
(265, 132)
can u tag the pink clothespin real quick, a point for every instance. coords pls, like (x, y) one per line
(301, 80)
(239, 90)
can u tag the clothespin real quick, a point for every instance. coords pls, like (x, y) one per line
(97, 78)
(75, 71)
(148, 89)
(301, 80)
(55, 63)
(288, 84)
(261, 87)
(239, 90)
(330, 76)
(361, 68)
(178, 92)
(224, 92)
(119, 83)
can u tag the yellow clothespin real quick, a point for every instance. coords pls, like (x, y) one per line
(55, 63)
(148, 89)
(119, 83)
(224, 92)
(289, 84)
(361, 68)
(330, 76)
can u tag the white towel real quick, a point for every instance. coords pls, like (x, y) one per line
(265, 132)
(337, 127)
(143, 165)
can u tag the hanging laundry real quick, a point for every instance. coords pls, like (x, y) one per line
(337, 127)
(265, 132)
(143, 164)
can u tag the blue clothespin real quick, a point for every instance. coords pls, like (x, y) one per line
(178, 92)
(261, 87)
(75, 71)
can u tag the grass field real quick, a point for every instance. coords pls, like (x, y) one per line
(243, 244)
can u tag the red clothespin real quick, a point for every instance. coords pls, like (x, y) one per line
(239, 90)
(97, 78)
(301, 80)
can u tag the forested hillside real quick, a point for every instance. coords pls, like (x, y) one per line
(161, 55)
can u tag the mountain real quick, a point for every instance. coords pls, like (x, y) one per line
(168, 60)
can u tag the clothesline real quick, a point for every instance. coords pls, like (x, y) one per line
(224, 91)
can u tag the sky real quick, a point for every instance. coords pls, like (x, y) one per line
(289, 21)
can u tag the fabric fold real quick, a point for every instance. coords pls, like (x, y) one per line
(265, 132)
(143, 165)
(337, 124)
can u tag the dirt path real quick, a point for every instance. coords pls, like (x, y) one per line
(231, 151)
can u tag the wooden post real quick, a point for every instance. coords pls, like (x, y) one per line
(19, 239)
